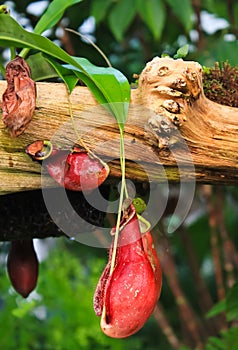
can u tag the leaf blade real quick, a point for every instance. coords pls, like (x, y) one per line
(116, 89)
(217, 309)
(232, 303)
(68, 77)
(185, 15)
(40, 68)
(53, 14)
(12, 34)
(113, 85)
(99, 8)
(121, 16)
(152, 13)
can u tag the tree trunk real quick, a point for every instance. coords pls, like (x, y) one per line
(173, 131)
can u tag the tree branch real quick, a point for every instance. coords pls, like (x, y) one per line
(171, 123)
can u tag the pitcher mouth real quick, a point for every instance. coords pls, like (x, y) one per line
(39, 149)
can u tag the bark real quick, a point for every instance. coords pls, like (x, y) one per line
(170, 123)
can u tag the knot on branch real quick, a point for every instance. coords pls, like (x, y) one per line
(169, 78)
(168, 88)
(161, 132)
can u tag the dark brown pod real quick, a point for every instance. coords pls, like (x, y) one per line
(22, 266)
(19, 99)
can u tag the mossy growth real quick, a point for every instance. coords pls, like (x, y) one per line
(220, 84)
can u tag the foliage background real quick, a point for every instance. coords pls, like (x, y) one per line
(59, 314)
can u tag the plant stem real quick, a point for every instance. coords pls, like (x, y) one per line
(79, 139)
(13, 53)
(2, 69)
(123, 159)
(123, 192)
(71, 115)
(24, 52)
(85, 37)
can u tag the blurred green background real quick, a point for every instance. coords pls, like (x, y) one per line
(59, 314)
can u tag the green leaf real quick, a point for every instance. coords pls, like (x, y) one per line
(165, 55)
(53, 14)
(153, 14)
(182, 51)
(24, 308)
(120, 17)
(90, 84)
(232, 304)
(184, 13)
(215, 343)
(99, 8)
(231, 338)
(206, 70)
(225, 51)
(68, 77)
(107, 84)
(12, 34)
(40, 68)
(217, 309)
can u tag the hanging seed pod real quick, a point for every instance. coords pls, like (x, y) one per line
(22, 266)
(76, 170)
(19, 99)
(126, 298)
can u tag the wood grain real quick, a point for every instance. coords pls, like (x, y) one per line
(173, 131)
